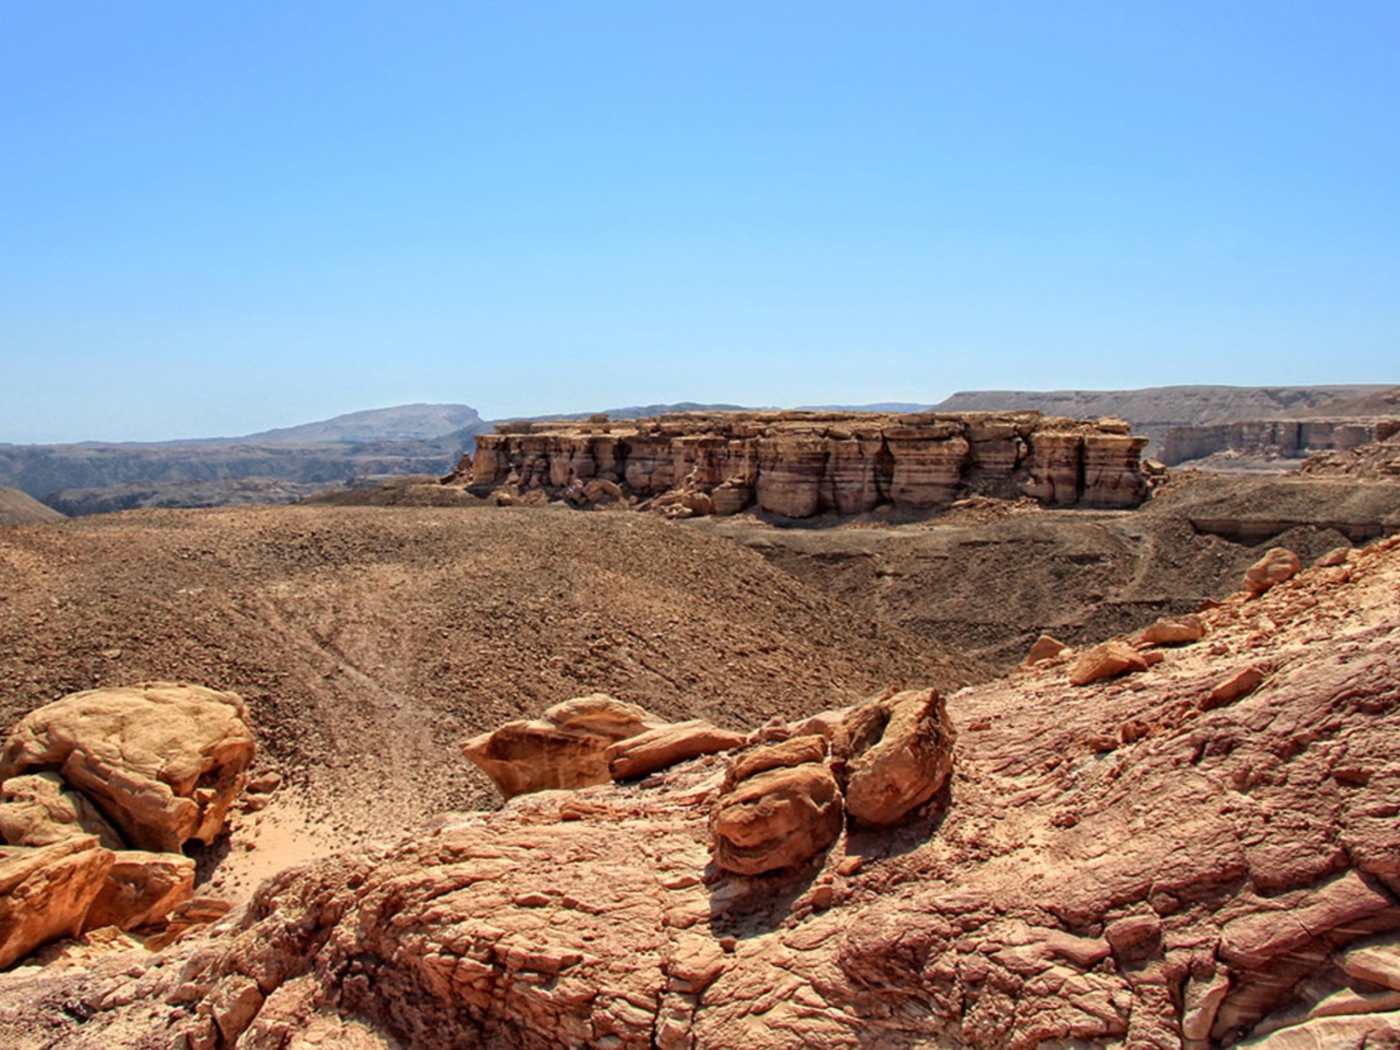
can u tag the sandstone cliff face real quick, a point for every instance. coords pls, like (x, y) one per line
(1199, 852)
(1284, 438)
(799, 464)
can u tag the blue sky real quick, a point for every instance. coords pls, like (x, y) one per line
(217, 218)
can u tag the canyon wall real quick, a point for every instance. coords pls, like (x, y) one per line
(800, 464)
(1273, 438)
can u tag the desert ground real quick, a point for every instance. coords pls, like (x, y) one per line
(371, 632)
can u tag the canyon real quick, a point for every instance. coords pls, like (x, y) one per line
(1014, 746)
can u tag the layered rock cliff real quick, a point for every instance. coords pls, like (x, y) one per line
(800, 464)
(1274, 438)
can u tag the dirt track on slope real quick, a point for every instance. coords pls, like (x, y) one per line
(370, 641)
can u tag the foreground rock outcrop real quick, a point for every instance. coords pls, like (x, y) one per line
(162, 762)
(798, 464)
(1143, 861)
(84, 778)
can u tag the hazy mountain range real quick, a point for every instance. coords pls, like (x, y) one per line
(281, 465)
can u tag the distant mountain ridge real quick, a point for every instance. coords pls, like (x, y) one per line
(1153, 410)
(403, 439)
(420, 422)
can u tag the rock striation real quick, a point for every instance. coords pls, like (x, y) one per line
(800, 464)
(1274, 438)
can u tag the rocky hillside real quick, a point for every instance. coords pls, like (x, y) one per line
(147, 495)
(990, 576)
(384, 442)
(19, 508)
(1378, 461)
(1197, 849)
(369, 641)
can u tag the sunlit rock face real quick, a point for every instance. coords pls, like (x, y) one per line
(802, 464)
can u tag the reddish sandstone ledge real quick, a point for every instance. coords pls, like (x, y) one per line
(799, 464)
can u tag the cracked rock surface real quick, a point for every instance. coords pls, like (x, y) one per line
(1125, 863)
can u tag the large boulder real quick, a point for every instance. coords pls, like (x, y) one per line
(1278, 566)
(894, 753)
(45, 892)
(777, 818)
(1108, 660)
(163, 762)
(566, 748)
(1174, 630)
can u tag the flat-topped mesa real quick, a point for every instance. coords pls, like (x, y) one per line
(799, 464)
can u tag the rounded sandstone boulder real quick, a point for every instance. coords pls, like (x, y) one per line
(163, 762)
(895, 752)
(1279, 565)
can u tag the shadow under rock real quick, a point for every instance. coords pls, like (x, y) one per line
(743, 906)
(207, 858)
(876, 843)
(748, 906)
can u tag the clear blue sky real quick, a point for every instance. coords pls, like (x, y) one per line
(221, 217)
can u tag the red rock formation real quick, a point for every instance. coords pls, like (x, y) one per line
(162, 761)
(1139, 862)
(797, 464)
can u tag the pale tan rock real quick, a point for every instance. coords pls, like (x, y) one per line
(791, 752)
(1045, 648)
(600, 715)
(824, 724)
(1336, 556)
(1203, 998)
(163, 762)
(39, 810)
(1240, 684)
(1331, 1033)
(666, 745)
(1275, 567)
(1375, 960)
(1174, 630)
(527, 756)
(1258, 937)
(141, 888)
(776, 819)
(1348, 1001)
(895, 753)
(234, 1002)
(1108, 660)
(567, 748)
(45, 892)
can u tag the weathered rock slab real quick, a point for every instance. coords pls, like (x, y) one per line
(45, 892)
(776, 819)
